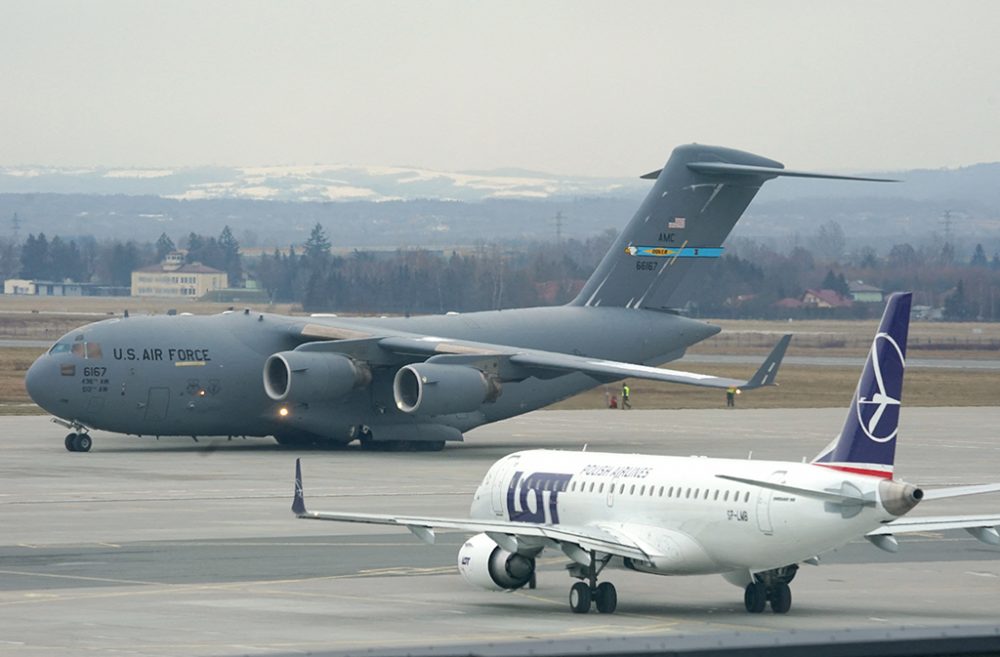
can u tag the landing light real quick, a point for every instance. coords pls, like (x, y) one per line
(283, 411)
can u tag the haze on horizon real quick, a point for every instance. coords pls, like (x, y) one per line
(581, 88)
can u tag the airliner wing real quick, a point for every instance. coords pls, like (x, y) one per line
(548, 363)
(982, 527)
(588, 538)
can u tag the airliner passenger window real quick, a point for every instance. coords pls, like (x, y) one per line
(716, 497)
(631, 489)
(746, 498)
(600, 489)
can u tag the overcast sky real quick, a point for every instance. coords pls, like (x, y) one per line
(593, 88)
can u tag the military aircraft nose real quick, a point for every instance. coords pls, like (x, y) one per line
(37, 381)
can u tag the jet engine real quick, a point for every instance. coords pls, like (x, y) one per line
(485, 564)
(431, 389)
(308, 376)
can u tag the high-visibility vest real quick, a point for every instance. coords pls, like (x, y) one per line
(625, 391)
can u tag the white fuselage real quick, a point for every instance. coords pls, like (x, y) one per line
(680, 510)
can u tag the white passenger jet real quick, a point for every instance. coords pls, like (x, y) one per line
(752, 522)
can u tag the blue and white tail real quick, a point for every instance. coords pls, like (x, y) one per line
(867, 443)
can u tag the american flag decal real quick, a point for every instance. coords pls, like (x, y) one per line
(67, 370)
(678, 222)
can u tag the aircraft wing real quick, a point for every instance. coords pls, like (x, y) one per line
(586, 538)
(549, 363)
(982, 527)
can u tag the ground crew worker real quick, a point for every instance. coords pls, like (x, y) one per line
(625, 401)
(731, 397)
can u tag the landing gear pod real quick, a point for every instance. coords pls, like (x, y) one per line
(429, 389)
(485, 564)
(301, 376)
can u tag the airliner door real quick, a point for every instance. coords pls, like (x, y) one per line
(764, 503)
(501, 478)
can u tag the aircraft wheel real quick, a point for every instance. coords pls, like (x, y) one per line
(755, 598)
(781, 598)
(606, 598)
(82, 443)
(579, 598)
(70, 442)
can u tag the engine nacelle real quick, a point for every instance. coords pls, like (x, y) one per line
(309, 376)
(485, 564)
(431, 389)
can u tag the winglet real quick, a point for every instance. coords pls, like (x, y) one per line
(299, 501)
(768, 370)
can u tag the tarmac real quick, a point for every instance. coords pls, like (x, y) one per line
(171, 547)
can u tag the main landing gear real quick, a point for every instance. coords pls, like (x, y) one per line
(78, 442)
(770, 586)
(584, 593)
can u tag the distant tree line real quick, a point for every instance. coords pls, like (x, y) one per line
(746, 282)
(111, 262)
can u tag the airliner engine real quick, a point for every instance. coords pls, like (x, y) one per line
(309, 376)
(485, 564)
(431, 389)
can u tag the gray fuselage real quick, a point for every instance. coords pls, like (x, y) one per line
(203, 375)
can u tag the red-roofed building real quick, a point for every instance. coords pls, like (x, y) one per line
(824, 299)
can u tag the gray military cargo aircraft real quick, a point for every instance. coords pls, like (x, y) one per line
(417, 382)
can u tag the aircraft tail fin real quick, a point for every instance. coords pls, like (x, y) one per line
(299, 501)
(698, 197)
(867, 443)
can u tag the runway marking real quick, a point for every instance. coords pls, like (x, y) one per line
(83, 578)
(980, 573)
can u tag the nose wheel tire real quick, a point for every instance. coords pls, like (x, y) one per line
(78, 442)
(579, 598)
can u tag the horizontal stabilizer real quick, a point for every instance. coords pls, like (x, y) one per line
(725, 168)
(826, 496)
(960, 491)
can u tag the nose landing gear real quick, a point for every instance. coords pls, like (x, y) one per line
(78, 442)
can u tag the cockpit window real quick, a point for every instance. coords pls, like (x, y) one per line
(88, 350)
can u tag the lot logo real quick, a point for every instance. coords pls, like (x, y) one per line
(878, 414)
(526, 496)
